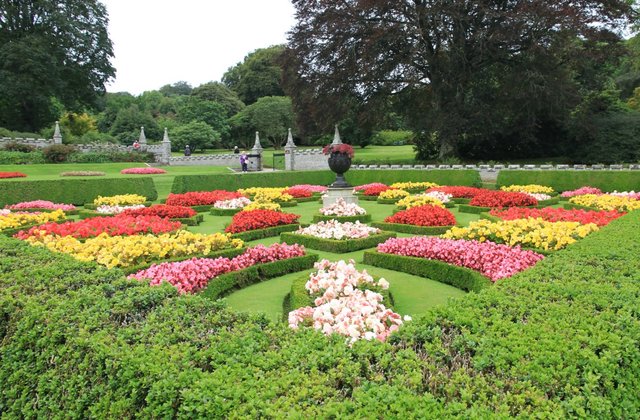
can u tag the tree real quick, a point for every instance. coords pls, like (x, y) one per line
(78, 124)
(126, 127)
(51, 49)
(112, 103)
(272, 116)
(466, 70)
(180, 88)
(258, 75)
(217, 92)
(196, 134)
(209, 112)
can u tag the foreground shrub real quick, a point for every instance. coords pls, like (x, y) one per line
(259, 219)
(57, 153)
(600, 218)
(12, 175)
(426, 215)
(502, 199)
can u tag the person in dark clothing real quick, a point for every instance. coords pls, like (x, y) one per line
(187, 150)
(244, 161)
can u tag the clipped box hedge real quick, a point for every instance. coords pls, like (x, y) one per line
(460, 277)
(232, 182)
(412, 229)
(252, 235)
(74, 191)
(363, 218)
(224, 212)
(571, 180)
(338, 246)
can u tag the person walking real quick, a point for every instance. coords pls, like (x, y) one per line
(244, 161)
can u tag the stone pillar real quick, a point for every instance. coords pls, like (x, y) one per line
(165, 156)
(289, 153)
(142, 140)
(57, 137)
(336, 136)
(255, 163)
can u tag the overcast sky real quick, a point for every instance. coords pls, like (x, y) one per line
(159, 42)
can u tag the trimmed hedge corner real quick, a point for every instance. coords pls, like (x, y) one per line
(224, 212)
(412, 229)
(335, 245)
(74, 191)
(570, 180)
(252, 235)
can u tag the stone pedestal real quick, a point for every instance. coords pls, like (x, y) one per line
(332, 195)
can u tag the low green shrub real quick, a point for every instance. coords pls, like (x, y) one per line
(20, 158)
(414, 230)
(335, 245)
(226, 283)
(224, 212)
(252, 235)
(190, 221)
(74, 191)
(363, 218)
(367, 197)
(466, 208)
(14, 146)
(460, 277)
(58, 153)
(571, 180)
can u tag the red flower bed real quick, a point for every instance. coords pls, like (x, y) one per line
(12, 175)
(375, 190)
(459, 192)
(163, 210)
(600, 218)
(502, 199)
(423, 216)
(113, 226)
(201, 198)
(298, 192)
(143, 171)
(259, 219)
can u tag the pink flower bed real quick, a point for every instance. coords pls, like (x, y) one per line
(345, 304)
(41, 204)
(629, 194)
(342, 208)
(143, 171)
(373, 185)
(581, 191)
(192, 275)
(493, 260)
(312, 188)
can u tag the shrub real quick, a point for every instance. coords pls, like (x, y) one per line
(19, 158)
(14, 146)
(336, 245)
(571, 180)
(57, 153)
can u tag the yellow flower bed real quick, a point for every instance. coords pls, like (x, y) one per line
(535, 233)
(120, 200)
(419, 200)
(16, 220)
(272, 196)
(606, 202)
(262, 205)
(393, 194)
(531, 188)
(126, 251)
(256, 190)
(413, 185)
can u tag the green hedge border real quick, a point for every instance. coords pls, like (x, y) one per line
(571, 180)
(411, 229)
(460, 277)
(334, 245)
(572, 206)
(363, 218)
(367, 197)
(224, 212)
(307, 199)
(226, 283)
(252, 235)
(461, 200)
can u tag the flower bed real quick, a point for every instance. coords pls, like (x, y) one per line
(143, 171)
(15, 220)
(502, 199)
(259, 219)
(42, 205)
(233, 206)
(427, 215)
(163, 210)
(252, 235)
(119, 200)
(83, 173)
(333, 229)
(6, 175)
(111, 226)
(299, 192)
(111, 210)
(342, 208)
(458, 191)
(581, 191)
(338, 246)
(315, 189)
(125, 251)
(365, 186)
(628, 194)
(414, 186)
(375, 190)
(193, 275)
(391, 196)
(600, 218)
(606, 202)
(201, 198)
(345, 304)
(532, 233)
(530, 188)
(492, 260)
(418, 201)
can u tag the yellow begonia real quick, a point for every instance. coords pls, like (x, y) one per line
(606, 202)
(272, 196)
(413, 185)
(531, 232)
(126, 251)
(16, 220)
(531, 188)
(262, 205)
(120, 200)
(256, 190)
(393, 194)
(419, 200)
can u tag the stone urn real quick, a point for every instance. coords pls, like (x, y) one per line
(339, 163)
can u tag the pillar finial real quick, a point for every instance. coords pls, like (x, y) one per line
(57, 136)
(336, 136)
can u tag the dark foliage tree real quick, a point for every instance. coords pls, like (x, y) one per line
(126, 127)
(465, 72)
(196, 134)
(217, 92)
(176, 89)
(51, 49)
(209, 112)
(258, 75)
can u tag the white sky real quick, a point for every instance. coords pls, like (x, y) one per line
(159, 42)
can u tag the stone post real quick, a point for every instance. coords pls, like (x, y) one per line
(289, 153)
(336, 136)
(142, 140)
(255, 163)
(57, 137)
(165, 156)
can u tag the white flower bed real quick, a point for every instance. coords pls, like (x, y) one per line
(233, 204)
(342, 208)
(104, 209)
(439, 195)
(333, 229)
(539, 196)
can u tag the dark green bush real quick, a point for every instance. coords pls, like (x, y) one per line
(14, 146)
(414, 230)
(252, 235)
(20, 158)
(224, 212)
(335, 245)
(57, 153)
(571, 180)
(74, 191)
(232, 182)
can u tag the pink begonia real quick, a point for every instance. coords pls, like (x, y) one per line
(4, 212)
(333, 229)
(630, 194)
(342, 307)
(311, 188)
(496, 261)
(41, 204)
(233, 204)
(192, 275)
(581, 191)
(365, 186)
(143, 171)
(539, 196)
(342, 208)
(439, 195)
(104, 209)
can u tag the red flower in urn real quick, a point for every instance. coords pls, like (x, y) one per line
(338, 148)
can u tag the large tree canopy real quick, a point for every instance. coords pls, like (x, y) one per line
(461, 70)
(51, 49)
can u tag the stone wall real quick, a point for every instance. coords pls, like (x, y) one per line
(309, 159)
(39, 143)
(230, 160)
